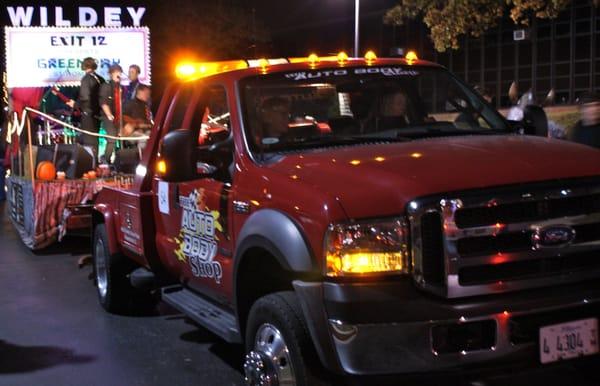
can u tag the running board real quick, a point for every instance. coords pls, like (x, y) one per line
(203, 312)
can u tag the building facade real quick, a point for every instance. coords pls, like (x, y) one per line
(561, 54)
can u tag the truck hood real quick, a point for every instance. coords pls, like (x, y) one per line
(379, 179)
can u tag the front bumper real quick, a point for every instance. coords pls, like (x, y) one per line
(393, 328)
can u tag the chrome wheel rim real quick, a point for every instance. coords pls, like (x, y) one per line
(100, 267)
(269, 363)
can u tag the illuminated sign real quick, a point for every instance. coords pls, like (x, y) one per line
(40, 57)
(84, 16)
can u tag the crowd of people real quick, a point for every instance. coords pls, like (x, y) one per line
(587, 129)
(121, 111)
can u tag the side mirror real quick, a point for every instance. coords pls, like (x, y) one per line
(177, 151)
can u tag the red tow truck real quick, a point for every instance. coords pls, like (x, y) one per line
(356, 216)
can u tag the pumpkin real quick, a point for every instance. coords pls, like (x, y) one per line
(45, 171)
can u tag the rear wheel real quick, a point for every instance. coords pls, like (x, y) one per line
(278, 345)
(110, 272)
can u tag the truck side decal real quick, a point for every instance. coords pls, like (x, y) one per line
(198, 238)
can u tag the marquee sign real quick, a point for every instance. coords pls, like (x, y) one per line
(83, 16)
(45, 56)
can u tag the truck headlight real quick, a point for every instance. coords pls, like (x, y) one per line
(367, 248)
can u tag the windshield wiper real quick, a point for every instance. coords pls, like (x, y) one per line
(325, 141)
(451, 131)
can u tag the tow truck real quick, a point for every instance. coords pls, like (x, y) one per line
(356, 217)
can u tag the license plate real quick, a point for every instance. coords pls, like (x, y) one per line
(568, 340)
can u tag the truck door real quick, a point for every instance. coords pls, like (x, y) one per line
(194, 233)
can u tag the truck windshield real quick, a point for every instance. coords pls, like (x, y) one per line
(291, 111)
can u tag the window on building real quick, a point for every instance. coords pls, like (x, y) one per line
(582, 27)
(525, 53)
(508, 55)
(563, 49)
(524, 73)
(562, 70)
(582, 47)
(543, 71)
(544, 31)
(544, 51)
(563, 29)
(491, 56)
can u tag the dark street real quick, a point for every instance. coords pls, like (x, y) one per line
(53, 332)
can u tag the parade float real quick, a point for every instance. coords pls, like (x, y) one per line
(53, 180)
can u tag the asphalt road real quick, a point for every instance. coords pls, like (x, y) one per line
(53, 332)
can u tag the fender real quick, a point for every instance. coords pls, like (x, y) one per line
(109, 222)
(277, 233)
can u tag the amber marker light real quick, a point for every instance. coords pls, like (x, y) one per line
(355, 162)
(313, 59)
(161, 167)
(379, 159)
(370, 57)
(263, 64)
(416, 155)
(411, 57)
(342, 58)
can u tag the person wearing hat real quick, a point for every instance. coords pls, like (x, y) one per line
(587, 130)
(88, 103)
(111, 102)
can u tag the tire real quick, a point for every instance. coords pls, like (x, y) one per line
(111, 274)
(272, 318)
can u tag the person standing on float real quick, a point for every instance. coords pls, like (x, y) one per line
(111, 102)
(89, 104)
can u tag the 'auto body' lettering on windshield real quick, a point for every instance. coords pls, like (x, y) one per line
(385, 71)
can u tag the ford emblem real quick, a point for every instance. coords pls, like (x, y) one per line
(552, 236)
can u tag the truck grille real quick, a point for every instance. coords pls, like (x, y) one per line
(510, 239)
(527, 211)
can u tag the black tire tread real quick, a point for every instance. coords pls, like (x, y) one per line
(120, 293)
(285, 306)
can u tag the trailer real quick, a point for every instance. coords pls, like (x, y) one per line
(53, 181)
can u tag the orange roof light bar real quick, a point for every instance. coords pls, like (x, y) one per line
(190, 70)
(309, 59)
(196, 70)
(263, 62)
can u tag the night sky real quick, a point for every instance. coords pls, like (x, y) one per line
(296, 28)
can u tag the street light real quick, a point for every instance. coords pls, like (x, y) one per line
(356, 19)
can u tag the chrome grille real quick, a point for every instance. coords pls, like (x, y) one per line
(487, 242)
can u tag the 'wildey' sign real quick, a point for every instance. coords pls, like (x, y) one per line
(82, 16)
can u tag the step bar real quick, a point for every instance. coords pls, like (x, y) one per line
(210, 316)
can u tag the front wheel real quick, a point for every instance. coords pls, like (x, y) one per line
(278, 345)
